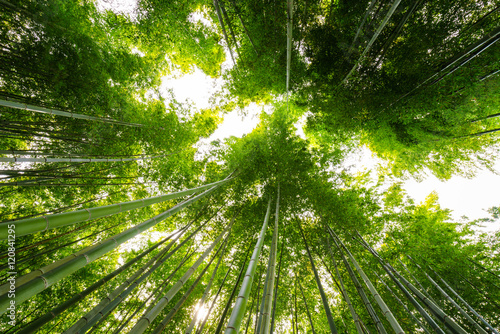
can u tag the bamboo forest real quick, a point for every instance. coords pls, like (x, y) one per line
(120, 213)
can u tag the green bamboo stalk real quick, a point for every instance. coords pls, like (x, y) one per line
(221, 22)
(254, 298)
(91, 317)
(262, 303)
(461, 310)
(230, 26)
(438, 313)
(418, 322)
(443, 317)
(190, 328)
(220, 325)
(385, 310)
(487, 324)
(289, 42)
(183, 299)
(359, 288)
(354, 315)
(360, 28)
(272, 272)
(44, 223)
(148, 318)
(212, 304)
(333, 328)
(372, 40)
(116, 299)
(277, 286)
(79, 159)
(424, 291)
(244, 27)
(35, 325)
(162, 287)
(307, 308)
(89, 254)
(407, 294)
(43, 110)
(240, 306)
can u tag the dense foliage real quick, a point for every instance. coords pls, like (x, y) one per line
(415, 81)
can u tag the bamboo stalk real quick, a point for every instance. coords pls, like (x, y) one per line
(487, 324)
(418, 322)
(201, 303)
(333, 328)
(277, 285)
(307, 308)
(101, 310)
(43, 110)
(244, 27)
(359, 288)
(81, 295)
(240, 306)
(80, 259)
(438, 313)
(372, 40)
(148, 318)
(272, 271)
(162, 287)
(202, 326)
(385, 310)
(221, 22)
(183, 299)
(44, 223)
(220, 325)
(354, 315)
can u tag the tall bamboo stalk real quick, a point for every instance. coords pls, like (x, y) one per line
(212, 304)
(243, 24)
(385, 310)
(43, 110)
(241, 302)
(461, 310)
(42, 320)
(359, 288)
(395, 5)
(221, 22)
(333, 328)
(368, 11)
(79, 159)
(277, 285)
(354, 315)
(183, 299)
(88, 255)
(438, 313)
(201, 303)
(417, 321)
(44, 223)
(222, 319)
(307, 308)
(160, 287)
(89, 319)
(289, 43)
(272, 271)
(148, 318)
(424, 291)
(487, 324)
